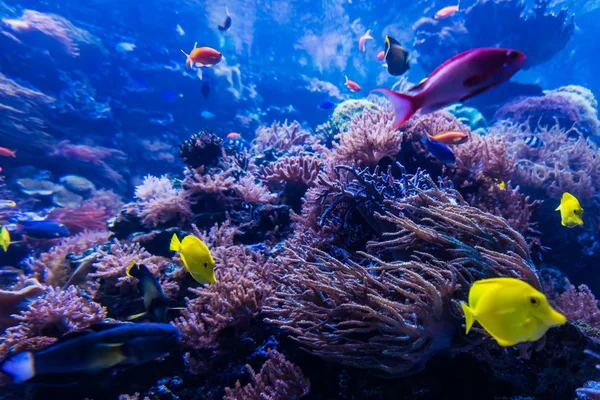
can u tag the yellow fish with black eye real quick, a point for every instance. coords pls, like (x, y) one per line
(510, 310)
(571, 213)
(195, 257)
(4, 238)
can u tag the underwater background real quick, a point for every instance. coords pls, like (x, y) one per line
(252, 219)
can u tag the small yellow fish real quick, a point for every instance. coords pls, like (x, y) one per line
(571, 212)
(196, 258)
(500, 184)
(510, 310)
(7, 204)
(4, 239)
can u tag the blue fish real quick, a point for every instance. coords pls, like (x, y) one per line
(102, 346)
(439, 151)
(326, 105)
(43, 229)
(207, 114)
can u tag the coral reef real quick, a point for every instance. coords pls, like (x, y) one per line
(345, 111)
(283, 138)
(278, 379)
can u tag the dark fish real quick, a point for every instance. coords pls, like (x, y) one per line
(440, 151)
(86, 265)
(205, 89)
(533, 141)
(102, 346)
(326, 105)
(396, 57)
(155, 300)
(43, 229)
(226, 24)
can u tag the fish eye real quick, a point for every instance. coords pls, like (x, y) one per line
(513, 55)
(205, 265)
(534, 302)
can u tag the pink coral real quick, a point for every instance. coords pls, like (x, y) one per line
(87, 217)
(158, 203)
(253, 192)
(578, 304)
(49, 317)
(278, 379)
(368, 139)
(301, 169)
(282, 137)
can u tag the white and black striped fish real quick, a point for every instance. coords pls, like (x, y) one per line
(533, 141)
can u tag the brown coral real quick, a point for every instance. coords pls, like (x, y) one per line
(301, 169)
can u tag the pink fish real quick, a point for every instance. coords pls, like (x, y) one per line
(381, 56)
(352, 85)
(363, 39)
(446, 12)
(463, 76)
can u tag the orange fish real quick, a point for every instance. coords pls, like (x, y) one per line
(381, 56)
(352, 85)
(447, 12)
(449, 137)
(233, 135)
(7, 153)
(202, 57)
(363, 39)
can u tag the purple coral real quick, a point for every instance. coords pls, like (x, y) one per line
(278, 379)
(282, 137)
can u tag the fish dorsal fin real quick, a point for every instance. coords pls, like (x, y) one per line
(128, 270)
(195, 45)
(479, 288)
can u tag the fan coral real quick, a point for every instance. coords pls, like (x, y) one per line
(203, 149)
(49, 317)
(564, 107)
(278, 379)
(566, 162)
(282, 138)
(369, 138)
(159, 203)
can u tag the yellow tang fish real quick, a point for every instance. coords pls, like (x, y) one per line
(4, 238)
(510, 310)
(196, 258)
(570, 211)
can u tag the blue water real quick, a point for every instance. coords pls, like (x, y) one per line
(95, 97)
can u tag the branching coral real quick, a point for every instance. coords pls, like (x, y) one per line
(53, 267)
(252, 192)
(278, 379)
(111, 264)
(233, 301)
(49, 317)
(368, 139)
(578, 304)
(566, 162)
(87, 217)
(283, 138)
(210, 187)
(159, 203)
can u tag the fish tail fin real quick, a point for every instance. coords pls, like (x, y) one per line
(175, 243)
(21, 367)
(346, 76)
(405, 106)
(368, 35)
(14, 154)
(227, 11)
(469, 315)
(129, 267)
(188, 62)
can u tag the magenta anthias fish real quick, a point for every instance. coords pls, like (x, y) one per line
(463, 76)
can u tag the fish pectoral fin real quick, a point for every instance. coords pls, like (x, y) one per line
(107, 355)
(475, 80)
(136, 316)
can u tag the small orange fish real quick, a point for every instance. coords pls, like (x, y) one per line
(449, 137)
(363, 39)
(352, 85)
(381, 56)
(446, 12)
(202, 57)
(233, 135)
(7, 153)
